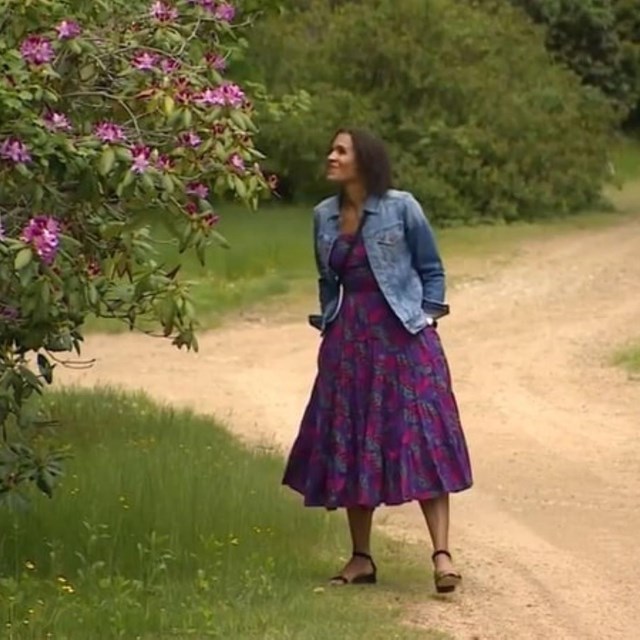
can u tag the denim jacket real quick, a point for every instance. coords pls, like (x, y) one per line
(402, 252)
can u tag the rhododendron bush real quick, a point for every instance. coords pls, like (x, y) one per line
(112, 113)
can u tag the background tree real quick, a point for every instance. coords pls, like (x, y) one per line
(600, 41)
(481, 126)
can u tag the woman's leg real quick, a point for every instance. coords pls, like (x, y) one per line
(436, 513)
(360, 521)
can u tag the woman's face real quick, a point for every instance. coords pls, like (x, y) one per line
(341, 161)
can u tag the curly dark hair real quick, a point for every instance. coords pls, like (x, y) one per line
(372, 158)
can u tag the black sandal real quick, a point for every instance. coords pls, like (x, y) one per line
(445, 581)
(363, 578)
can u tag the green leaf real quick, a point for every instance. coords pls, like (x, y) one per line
(87, 72)
(240, 187)
(23, 258)
(123, 154)
(45, 482)
(167, 183)
(147, 182)
(107, 160)
(45, 368)
(220, 239)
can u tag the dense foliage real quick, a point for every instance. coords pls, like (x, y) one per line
(109, 115)
(599, 40)
(481, 125)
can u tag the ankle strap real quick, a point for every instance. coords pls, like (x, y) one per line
(360, 554)
(440, 552)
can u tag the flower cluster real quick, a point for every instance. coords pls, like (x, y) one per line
(56, 121)
(190, 139)
(237, 163)
(68, 29)
(42, 232)
(198, 189)
(163, 12)
(140, 158)
(109, 132)
(149, 61)
(216, 61)
(226, 95)
(223, 11)
(14, 150)
(37, 50)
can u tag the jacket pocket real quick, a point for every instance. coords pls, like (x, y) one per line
(390, 236)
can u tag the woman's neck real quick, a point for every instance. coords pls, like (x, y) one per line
(354, 196)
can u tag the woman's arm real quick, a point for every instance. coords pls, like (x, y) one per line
(425, 257)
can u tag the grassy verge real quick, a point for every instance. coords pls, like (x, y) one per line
(626, 159)
(629, 358)
(165, 527)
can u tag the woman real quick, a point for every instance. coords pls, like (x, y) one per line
(382, 425)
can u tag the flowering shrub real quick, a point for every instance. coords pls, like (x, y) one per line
(111, 113)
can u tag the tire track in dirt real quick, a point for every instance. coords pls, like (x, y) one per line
(548, 537)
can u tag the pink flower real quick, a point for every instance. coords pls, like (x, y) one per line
(233, 95)
(37, 50)
(140, 158)
(164, 163)
(272, 181)
(144, 61)
(198, 189)
(109, 132)
(219, 128)
(42, 232)
(226, 95)
(211, 219)
(191, 208)
(68, 29)
(183, 96)
(210, 97)
(9, 313)
(163, 12)
(216, 61)
(190, 139)
(169, 65)
(225, 12)
(56, 121)
(15, 151)
(93, 268)
(237, 163)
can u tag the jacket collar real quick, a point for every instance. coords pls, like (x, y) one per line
(371, 205)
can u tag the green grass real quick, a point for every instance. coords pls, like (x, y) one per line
(166, 527)
(628, 357)
(626, 159)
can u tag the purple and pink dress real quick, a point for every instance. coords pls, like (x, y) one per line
(382, 424)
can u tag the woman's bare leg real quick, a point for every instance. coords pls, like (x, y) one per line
(436, 513)
(360, 521)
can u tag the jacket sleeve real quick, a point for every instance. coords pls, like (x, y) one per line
(326, 284)
(425, 257)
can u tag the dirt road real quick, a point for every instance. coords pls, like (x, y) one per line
(549, 538)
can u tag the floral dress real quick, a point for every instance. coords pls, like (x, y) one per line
(382, 424)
